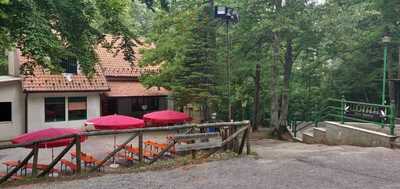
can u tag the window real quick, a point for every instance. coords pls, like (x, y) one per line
(151, 103)
(77, 108)
(69, 65)
(5, 111)
(54, 108)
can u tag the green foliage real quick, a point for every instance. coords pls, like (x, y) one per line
(184, 49)
(46, 30)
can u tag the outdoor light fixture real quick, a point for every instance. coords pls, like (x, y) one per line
(386, 39)
(220, 11)
(228, 15)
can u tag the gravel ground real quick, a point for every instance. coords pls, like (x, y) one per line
(281, 165)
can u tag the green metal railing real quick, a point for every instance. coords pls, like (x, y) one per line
(342, 110)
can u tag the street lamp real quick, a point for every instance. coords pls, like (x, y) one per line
(229, 15)
(385, 40)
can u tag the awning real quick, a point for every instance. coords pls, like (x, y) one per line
(132, 89)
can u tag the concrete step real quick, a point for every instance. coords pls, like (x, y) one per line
(308, 137)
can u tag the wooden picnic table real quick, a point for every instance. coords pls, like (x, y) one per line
(11, 163)
(87, 159)
(156, 147)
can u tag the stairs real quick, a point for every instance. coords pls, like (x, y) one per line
(349, 133)
(301, 128)
(307, 133)
(315, 135)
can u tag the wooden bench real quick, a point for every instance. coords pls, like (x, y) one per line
(123, 155)
(11, 163)
(135, 151)
(68, 164)
(86, 158)
(14, 177)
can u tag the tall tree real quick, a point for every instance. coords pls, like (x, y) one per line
(185, 40)
(47, 30)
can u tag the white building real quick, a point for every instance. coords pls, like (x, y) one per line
(41, 99)
(11, 107)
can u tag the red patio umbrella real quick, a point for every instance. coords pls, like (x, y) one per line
(115, 122)
(165, 117)
(45, 134)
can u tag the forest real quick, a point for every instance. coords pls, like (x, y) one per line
(307, 51)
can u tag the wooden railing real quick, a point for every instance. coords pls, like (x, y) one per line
(232, 132)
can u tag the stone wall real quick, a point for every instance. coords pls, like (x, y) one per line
(341, 134)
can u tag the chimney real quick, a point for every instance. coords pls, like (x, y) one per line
(13, 63)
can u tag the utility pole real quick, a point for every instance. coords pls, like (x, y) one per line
(386, 40)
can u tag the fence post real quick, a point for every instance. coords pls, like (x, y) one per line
(392, 117)
(140, 147)
(342, 110)
(294, 130)
(317, 118)
(78, 154)
(35, 159)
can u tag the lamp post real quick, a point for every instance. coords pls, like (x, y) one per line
(385, 40)
(228, 15)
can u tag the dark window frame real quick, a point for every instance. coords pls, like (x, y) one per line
(6, 116)
(75, 113)
(69, 64)
(51, 106)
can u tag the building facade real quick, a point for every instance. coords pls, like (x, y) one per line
(11, 107)
(41, 99)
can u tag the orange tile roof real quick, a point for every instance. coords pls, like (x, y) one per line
(133, 88)
(44, 81)
(110, 65)
(114, 65)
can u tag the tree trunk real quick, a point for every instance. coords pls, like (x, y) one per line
(257, 98)
(398, 77)
(398, 64)
(274, 84)
(287, 71)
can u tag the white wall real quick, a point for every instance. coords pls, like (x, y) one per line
(11, 92)
(36, 116)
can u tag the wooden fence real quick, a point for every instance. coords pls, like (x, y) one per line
(229, 131)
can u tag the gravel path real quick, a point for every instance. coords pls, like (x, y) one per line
(281, 165)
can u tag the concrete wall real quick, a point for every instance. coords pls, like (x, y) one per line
(11, 92)
(36, 115)
(340, 134)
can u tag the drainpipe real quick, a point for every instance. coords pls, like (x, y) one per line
(26, 113)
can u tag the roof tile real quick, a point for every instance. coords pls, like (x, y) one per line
(132, 88)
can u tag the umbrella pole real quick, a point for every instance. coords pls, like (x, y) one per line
(114, 165)
(52, 158)
(115, 141)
